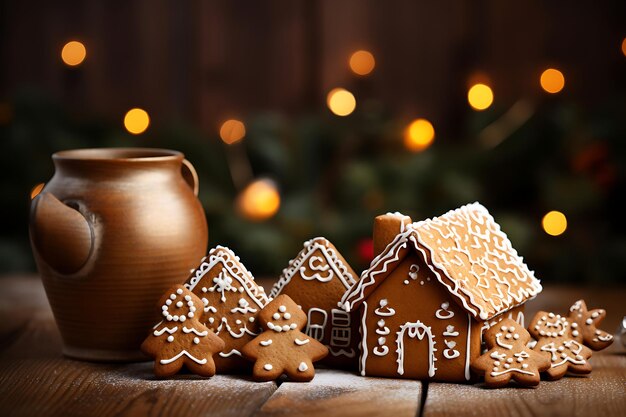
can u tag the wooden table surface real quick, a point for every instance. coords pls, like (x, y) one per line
(36, 380)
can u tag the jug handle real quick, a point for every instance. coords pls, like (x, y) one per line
(190, 176)
(60, 234)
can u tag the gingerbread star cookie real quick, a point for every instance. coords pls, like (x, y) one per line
(584, 324)
(509, 357)
(282, 348)
(554, 335)
(180, 338)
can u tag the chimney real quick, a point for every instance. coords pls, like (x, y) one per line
(386, 228)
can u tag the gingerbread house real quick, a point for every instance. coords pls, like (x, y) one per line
(426, 299)
(231, 302)
(316, 279)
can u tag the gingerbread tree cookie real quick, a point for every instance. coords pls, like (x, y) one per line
(509, 358)
(283, 347)
(584, 324)
(180, 339)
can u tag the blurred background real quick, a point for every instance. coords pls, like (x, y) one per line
(308, 118)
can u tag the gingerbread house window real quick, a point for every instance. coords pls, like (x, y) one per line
(340, 336)
(316, 325)
(340, 318)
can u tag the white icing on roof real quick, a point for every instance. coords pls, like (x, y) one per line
(229, 261)
(329, 252)
(468, 254)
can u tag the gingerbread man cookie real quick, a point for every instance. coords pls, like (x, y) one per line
(180, 339)
(554, 335)
(282, 347)
(508, 357)
(584, 324)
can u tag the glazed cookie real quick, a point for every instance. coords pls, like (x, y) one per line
(584, 324)
(554, 336)
(509, 358)
(282, 347)
(180, 339)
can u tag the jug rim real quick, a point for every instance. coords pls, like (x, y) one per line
(118, 154)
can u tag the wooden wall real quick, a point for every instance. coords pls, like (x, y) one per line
(203, 61)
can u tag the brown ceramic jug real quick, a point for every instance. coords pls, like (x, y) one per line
(111, 231)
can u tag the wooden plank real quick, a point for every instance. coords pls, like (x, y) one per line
(602, 393)
(338, 393)
(62, 387)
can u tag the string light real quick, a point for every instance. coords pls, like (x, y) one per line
(554, 223)
(552, 80)
(136, 121)
(36, 190)
(480, 96)
(419, 135)
(73, 53)
(232, 131)
(341, 102)
(259, 201)
(362, 62)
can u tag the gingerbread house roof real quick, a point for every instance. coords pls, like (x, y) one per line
(333, 258)
(469, 255)
(231, 263)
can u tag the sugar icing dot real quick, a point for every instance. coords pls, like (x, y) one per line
(286, 316)
(196, 340)
(170, 338)
(286, 327)
(168, 302)
(179, 304)
(268, 367)
(179, 291)
(276, 316)
(282, 309)
(251, 319)
(173, 296)
(302, 367)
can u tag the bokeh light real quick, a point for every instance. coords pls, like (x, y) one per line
(36, 190)
(624, 46)
(480, 96)
(73, 53)
(232, 131)
(552, 80)
(362, 62)
(554, 223)
(341, 102)
(136, 121)
(419, 135)
(259, 201)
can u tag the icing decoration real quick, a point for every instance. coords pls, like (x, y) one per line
(195, 331)
(443, 313)
(341, 352)
(383, 310)
(382, 329)
(303, 367)
(450, 331)
(317, 264)
(301, 342)
(236, 335)
(450, 352)
(268, 367)
(381, 350)
(413, 270)
(265, 342)
(181, 353)
(496, 280)
(363, 339)
(316, 323)
(244, 307)
(165, 329)
(420, 331)
(230, 353)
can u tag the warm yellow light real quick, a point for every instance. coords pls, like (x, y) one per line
(34, 192)
(552, 80)
(480, 96)
(554, 223)
(340, 101)
(624, 46)
(232, 131)
(259, 201)
(136, 121)
(73, 53)
(362, 62)
(419, 135)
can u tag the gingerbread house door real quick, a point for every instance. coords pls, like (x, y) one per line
(416, 350)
